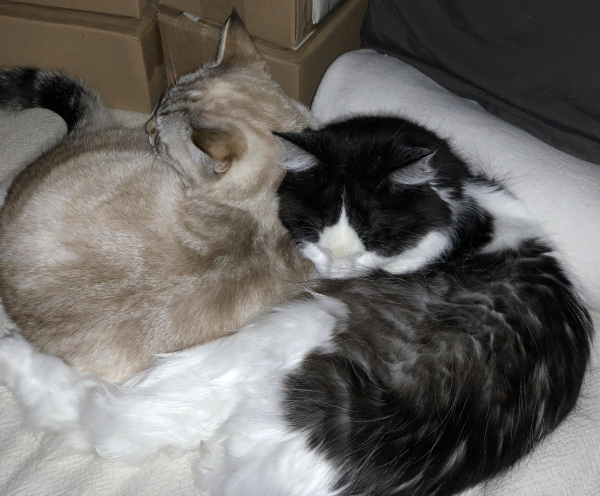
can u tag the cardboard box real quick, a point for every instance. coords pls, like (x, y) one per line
(130, 8)
(119, 56)
(286, 23)
(188, 44)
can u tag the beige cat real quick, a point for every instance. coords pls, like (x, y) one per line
(113, 249)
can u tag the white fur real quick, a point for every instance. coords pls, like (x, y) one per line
(513, 223)
(337, 251)
(226, 394)
(356, 261)
(49, 391)
(296, 159)
(429, 248)
(341, 240)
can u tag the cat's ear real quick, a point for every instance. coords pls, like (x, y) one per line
(419, 172)
(237, 49)
(222, 146)
(295, 158)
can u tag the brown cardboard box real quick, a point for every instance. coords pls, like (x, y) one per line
(119, 56)
(130, 8)
(286, 23)
(187, 44)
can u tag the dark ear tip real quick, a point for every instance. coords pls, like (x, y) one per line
(235, 18)
(290, 135)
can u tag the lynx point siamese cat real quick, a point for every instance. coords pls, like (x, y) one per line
(114, 247)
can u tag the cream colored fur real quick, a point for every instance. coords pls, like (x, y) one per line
(113, 249)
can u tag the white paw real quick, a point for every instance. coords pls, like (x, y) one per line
(15, 354)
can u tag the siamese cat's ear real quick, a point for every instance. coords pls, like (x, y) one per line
(295, 157)
(237, 48)
(222, 146)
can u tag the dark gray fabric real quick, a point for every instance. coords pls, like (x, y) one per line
(534, 63)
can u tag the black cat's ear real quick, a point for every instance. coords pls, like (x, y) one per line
(237, 49)
(419, 172)
(223, 146)
(295, 158)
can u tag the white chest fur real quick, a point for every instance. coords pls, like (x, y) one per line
(340, 253)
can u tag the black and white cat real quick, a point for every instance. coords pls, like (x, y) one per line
(441, 344)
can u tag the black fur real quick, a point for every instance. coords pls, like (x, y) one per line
(443, 377)
(360, 165)
(25, 87)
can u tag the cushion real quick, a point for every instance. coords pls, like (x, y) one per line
(535, 64)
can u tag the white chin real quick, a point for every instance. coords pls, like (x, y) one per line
(332, 268)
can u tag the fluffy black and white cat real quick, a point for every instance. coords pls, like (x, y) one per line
(441, 344)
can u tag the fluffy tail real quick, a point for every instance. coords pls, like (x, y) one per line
(223, 398)
(80, 106)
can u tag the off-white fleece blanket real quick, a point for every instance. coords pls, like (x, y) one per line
(564, 192)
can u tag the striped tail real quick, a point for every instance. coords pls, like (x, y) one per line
(80, 106)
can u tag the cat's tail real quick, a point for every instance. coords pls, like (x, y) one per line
(81, 107)
(224, 398)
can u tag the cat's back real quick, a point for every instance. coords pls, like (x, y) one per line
(105, 156)
(78, 231)
(103, 249)
(83, 190)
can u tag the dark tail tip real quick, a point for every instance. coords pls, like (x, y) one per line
(27, 87)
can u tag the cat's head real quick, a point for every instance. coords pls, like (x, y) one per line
(371, 192)
(215, 124)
